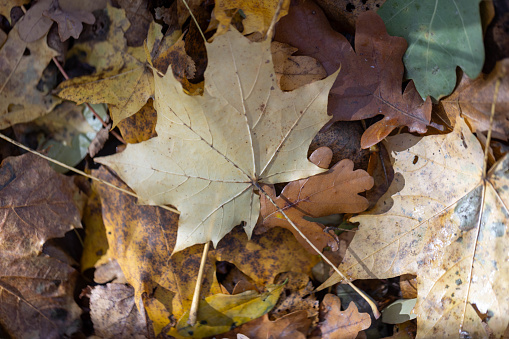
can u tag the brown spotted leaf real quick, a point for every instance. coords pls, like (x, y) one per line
(370, 80)
(339, 324)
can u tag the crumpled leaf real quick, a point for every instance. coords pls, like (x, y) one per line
(441, 35)
(244, 130)
(162, 284)
(339, 324)
(36, 291)
(292, 326)
(442, 222)
(221, 312)
(258, 14)
(370, 80)
(114, 313)
(294, 71)
(473, 99)
(123, 79)
(20, 100)
(333, 192)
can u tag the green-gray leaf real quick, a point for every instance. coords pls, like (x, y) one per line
(441, 35)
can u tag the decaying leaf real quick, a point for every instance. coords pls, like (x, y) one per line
(34, 25)
(36, 291)
(20, 100)
(70, 20)
(441, 35)
(123, 79)
(140, 126)
(258, 14)
(221, 312)
(294, 71)
(6, 6)
(292, 326)
(339, 324)
(473, 99)
(243, 131)
(114, 313)
(333, 192)
(440, 220)
(370, 80)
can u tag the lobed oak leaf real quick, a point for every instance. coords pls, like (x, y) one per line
(333, 192)
(213, 151)
(339, 324)
(444, 222)
(371, 76)
(473, 99)
(70, 22)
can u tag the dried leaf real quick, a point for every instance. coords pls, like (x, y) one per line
(441, 35)
(339, 324)
(370, 80)
(123, 79)
(20, 100)
(473, 99)
(244, 130)
(221, 312)
(6, 6)
(36, 291)
(69, 22)
(140, 18)
(333, 192)
(114, 314)
(258, 14)
(448, 226)
(294, 71)
(140, 126)
(33, 25)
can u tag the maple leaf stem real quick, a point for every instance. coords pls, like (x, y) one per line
(77, 171)
(374, 308)
(194, 19)
(105, 125)
(488, 138)
(193, 313)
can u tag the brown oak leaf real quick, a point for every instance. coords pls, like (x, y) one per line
(335, 191)
(370, 80)
(339, 324)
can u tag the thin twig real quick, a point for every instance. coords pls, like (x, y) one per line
(270, 31)
(105, 125)
(193, 313)
(14, 142)
(376, 313)
(195, 21)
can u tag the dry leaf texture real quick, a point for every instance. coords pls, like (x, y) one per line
(440, 220)
(371, 76)
(335, 191)
(339, 324)
(212, 150)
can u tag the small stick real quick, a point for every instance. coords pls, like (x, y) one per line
(195, 21)
(270, 31)
(105, 125)
(193, 313)
(14, 142)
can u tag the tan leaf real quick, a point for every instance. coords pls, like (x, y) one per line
(20, 100)
(339, 324)
(34, 25)
(244, 131)
(440, 220)
(294, 71)
(333, 192)
(473, 98)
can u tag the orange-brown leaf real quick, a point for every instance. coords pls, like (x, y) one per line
(339, 324)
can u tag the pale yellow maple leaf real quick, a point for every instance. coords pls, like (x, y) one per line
(440, 220)
(212, 150)
(21, 67)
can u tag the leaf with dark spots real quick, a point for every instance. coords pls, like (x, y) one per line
(370, 79)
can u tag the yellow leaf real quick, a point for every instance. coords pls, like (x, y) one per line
(123, 78)
(212, 151)
(20, 100)
(221, 312)
(442, 221)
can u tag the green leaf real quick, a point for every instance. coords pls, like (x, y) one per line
(221, 312)
(441, 35)
(399, 311)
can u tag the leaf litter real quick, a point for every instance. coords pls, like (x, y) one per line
(256, 262)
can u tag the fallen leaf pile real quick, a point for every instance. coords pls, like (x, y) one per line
(288, 135)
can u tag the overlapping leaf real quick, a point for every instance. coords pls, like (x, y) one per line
(441, 35)
(212, 151)
(370, 80)
(442, 221)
